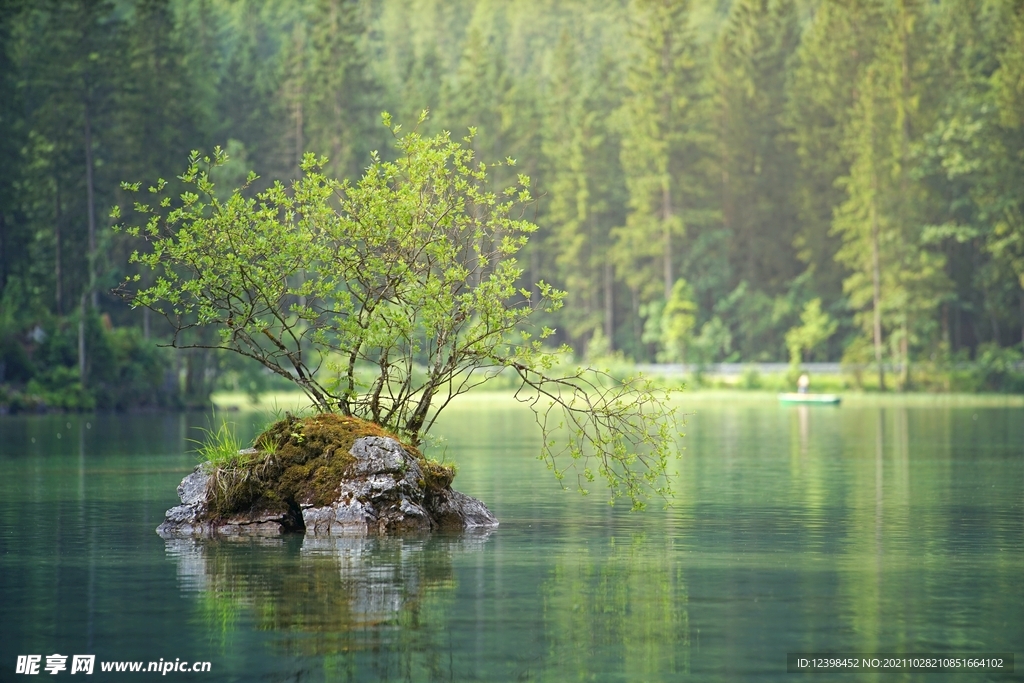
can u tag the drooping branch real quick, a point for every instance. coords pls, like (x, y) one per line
(594, 425)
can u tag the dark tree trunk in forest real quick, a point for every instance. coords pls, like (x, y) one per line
(196, 362)
(3, 252)
(81, 339)
(876, 263)
(666, 182)
(635, 319)
(904, 175)
(876, 283)
(58, 280)
(905, 355)
(727, 210)
(666, 219)
(90, 207)
(1022, 318)
(298, 134)
(609, 305)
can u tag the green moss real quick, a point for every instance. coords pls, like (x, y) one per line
(438, 475)
(302, 460)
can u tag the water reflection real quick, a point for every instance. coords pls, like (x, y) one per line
(621, 607)
(868, 528)
(322, 596)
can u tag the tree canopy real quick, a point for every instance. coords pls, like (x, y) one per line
(388, 297)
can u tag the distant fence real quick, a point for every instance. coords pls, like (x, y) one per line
(736, 369)
(728, 369)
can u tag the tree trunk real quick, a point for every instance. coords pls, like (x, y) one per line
(904, 102)
(904, 110)
(298, 134)
(635, 319)
(81, 339)
(666, 221)
(58, 280)
(609, 306)
(727, 210)
(667, 113)
(3, 252)
(1022, 318)
(876, 265)
(90, 206)
(876, 282)
(905, 354)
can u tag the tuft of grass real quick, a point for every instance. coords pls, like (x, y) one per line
(219, 448)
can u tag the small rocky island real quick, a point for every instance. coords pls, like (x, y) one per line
(324, 475)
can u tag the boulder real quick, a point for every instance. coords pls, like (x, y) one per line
(382, 488)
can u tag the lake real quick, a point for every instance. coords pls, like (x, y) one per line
(881, 526)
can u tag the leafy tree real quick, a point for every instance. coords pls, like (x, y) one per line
(816, 326)
(678, 319)
(409, 299)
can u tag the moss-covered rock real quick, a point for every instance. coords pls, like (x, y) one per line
(326, 474)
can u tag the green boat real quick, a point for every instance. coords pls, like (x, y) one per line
(818, 399)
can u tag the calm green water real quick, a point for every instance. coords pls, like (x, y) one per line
(864, 528)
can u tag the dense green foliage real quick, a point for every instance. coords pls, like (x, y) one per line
(410, 272)
(766, 154)
(386, 298)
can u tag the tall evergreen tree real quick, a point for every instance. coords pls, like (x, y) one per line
(757, 167)
(662, 89)
(757, 156)
(881, 220)
(1006, 240)
(584, 190)
(67, 52)
(836, 45)
(663, 148)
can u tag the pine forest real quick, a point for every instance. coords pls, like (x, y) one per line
(715, 180)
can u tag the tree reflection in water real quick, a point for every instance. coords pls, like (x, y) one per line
(328, 595)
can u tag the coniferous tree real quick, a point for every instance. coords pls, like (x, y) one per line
(584, 190)
(757, 163)
(662, 149)
(823, 78)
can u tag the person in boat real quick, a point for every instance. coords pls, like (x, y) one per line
(803, 384)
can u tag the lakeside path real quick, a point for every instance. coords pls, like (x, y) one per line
(295, 401)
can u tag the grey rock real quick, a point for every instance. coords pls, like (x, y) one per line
(189, 518)
(192, 489)
(453, 509)
(384, 492)
(378, 454)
